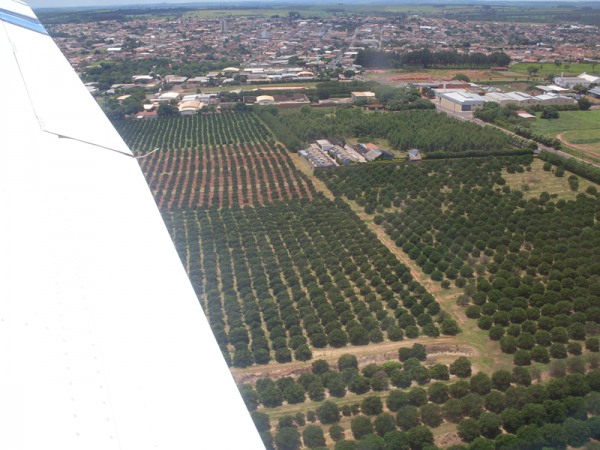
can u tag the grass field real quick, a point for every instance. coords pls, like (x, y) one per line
(225, 12)
(506, 13)
(580, 130)
(322, 10)
(538, 180)
(550, 68)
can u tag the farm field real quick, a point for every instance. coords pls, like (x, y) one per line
(316, 10)
(446, 405)
(304, 275)
(498, 13)
(516, 74)
(226, 175)
(194, 131)
(545, 69)
(501, 241)
(360, 306)
(532, 183)
(393, 76)
(577, 129)
(219, 160)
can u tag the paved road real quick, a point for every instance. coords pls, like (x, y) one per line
(541, 147)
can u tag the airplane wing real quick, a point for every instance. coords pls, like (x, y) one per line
(103, 344)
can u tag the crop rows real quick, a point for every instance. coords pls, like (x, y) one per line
(529, 268)
(278, 280)
(190, 132)
(502, 410)
(223, 176)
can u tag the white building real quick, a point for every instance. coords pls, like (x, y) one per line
(552, 88)
(367, 95)
(175, 79)
(265, 100)
(569, 82)
(190, 107)
(554, 99)
(510, 98)
(461, 101)
(324, 144)
(166, 97)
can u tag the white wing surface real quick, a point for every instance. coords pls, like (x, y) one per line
(103, 344)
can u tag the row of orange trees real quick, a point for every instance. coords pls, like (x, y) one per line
(529, 266)
(223, 176)
(280, 280)
(193, 131)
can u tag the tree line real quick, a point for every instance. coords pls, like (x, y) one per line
(120, 72)
(426, 130)
(582, 169)
(425, 58)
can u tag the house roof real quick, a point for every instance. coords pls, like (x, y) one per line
(363, 94)
(414, 154)
(169, 95)
(190, 105)
(373, 154)
(551, 87)
(590, 78)
(265, 98)
(464, 98)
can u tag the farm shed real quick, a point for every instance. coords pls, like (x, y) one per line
(552, 88)
(324, 144)
(317, 157)
(190, 107)
(414, 155)
(373, 154)
(265, 100)
(357, 96)
(595, 92)
(168, 96)
(175, 79)
(553, 99)
(511, 98)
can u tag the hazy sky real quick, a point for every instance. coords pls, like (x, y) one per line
(58, 3)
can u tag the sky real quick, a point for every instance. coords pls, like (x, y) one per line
(61, 3)
(70, 3)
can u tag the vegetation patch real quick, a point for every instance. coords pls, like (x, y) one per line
(227, 175)
(190, 132)
(400, 404)
(427, 130)
(537, 180)
(304, 275)
(530, 279)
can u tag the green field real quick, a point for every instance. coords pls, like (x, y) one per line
(546, 69)
(317, 10)
(507, 13)
(578, 129)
